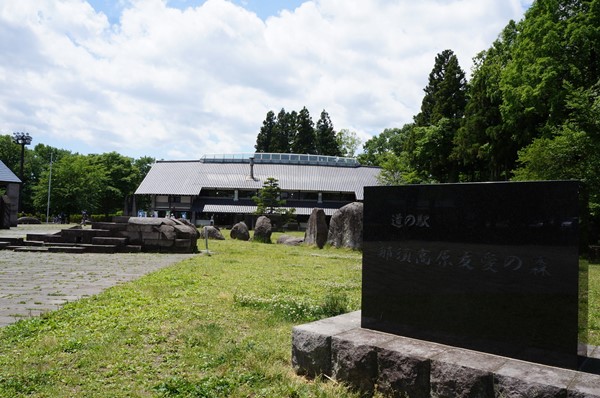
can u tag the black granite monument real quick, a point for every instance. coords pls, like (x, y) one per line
(492, 267)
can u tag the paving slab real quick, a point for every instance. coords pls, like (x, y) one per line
(33, 283)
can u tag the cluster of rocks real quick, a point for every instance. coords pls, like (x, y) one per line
(345, 229)
(160, 234)
(122, 235)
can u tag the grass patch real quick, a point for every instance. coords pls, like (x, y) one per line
(212, 326)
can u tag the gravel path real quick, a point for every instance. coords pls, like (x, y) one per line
(33, 283)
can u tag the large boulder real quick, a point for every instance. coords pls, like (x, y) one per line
(316, 230)
(240, 232)
(289, 240)
(212, 232)
(186, 230)
(160, 234)
(263, 230)
(346, 227)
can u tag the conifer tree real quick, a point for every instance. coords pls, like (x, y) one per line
(264, 138)
(326, 144)
(283, 132)
(445, 94)
(304, 141)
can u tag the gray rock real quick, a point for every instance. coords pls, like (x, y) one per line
(311, 352)
(316, 230)
(154, 221)
(515, 388)
(240, 232)
(290, 240)
(311, 343)
(212, 232)
(451, 381)
(346, 227)
(167, 232)
(186, 230)
(263, 230)
(403, 375)
(354, 361)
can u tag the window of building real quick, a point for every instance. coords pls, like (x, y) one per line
(246, 194)
(218, 193)
(338, 197)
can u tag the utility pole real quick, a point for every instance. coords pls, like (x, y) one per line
(21, 139)
(49, 190)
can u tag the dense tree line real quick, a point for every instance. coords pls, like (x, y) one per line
(531, 109)
(295, 132)
(97, 183)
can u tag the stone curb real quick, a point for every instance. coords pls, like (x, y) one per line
(398, 366)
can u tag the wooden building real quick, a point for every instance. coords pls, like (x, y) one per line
(221, 187)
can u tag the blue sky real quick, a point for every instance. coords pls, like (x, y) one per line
(262, 8)
(178, 79)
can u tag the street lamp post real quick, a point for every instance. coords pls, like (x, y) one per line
(21, 139)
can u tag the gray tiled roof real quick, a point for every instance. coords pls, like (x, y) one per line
(6, 175)
(188, 178)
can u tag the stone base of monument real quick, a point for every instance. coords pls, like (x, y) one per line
(398, 366)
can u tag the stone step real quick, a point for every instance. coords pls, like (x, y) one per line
(94, 248)
(4, 245)
(27, 248)
(53, 239)
(110, 226)
(32, 243)
(13, 241)
(39, 237)
(79, 235)
(65, 244)
(129, 249)
(109, 240)
(66, 249)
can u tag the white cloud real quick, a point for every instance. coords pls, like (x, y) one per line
(178, 83)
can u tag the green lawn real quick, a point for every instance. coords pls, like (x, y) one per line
(211, 326)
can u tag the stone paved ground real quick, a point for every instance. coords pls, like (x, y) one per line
(34, 283)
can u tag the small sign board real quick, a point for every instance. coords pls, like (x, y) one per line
(492, 267)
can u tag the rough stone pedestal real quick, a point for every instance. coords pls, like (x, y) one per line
(399, 366)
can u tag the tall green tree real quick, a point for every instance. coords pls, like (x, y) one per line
(445, 93)
(77, 184)
(429, 149)
(571, 152)
(484, 146)
(37, 161)
(326, 142)
(10, 153)
(397, 170)
(304, 140)
(557, 47)
(441, 113)
(142, 166)
(348, 141)
(390, 140)
(284, 131)
(121, 180)
(265, 136)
